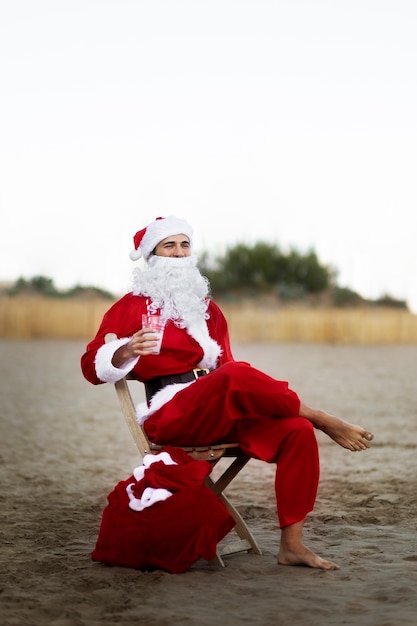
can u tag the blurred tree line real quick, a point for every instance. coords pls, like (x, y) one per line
(245, 271)
(44, 286)
(264, 268)
(251, 271)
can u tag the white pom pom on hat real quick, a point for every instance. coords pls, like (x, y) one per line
(146, 240)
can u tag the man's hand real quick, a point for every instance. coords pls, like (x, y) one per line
(142, 343)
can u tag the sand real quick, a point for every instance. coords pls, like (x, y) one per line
(64, 446)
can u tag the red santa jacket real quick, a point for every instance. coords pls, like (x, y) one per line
(179, 351)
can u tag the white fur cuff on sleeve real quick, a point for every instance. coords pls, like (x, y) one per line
(104, 368)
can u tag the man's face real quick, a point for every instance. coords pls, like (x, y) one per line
(175, 246)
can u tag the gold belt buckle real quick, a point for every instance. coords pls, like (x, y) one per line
(197, 370)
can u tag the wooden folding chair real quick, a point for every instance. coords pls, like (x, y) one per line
(212, 453)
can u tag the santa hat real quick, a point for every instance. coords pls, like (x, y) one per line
(147, 239)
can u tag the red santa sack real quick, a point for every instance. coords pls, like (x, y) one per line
(170, 534)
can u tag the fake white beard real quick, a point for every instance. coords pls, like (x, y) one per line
(180, 291)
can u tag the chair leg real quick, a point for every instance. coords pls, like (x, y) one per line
(241, 528)
(228, 475)
(217, 561)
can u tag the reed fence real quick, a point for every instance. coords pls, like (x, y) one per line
(29, 317)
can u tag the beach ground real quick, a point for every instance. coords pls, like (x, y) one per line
(64, 446)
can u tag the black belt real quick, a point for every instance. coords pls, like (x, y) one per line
(155, 384)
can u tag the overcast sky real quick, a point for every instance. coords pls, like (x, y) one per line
(288, 121)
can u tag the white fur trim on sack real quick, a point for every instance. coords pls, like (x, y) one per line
(150, 495)
(148, 459)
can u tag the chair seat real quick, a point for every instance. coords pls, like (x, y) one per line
(203, 453)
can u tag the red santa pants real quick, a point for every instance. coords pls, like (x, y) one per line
(237, 402)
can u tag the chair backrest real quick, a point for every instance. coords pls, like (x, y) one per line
(128, 409)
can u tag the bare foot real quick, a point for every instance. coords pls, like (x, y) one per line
(347, 435)
(292, 551)
(304, 556)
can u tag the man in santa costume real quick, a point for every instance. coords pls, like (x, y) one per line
(197, 394)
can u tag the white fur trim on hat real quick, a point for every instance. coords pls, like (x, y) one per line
(146, 240)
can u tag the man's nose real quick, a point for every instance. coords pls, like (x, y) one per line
(178, 251)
